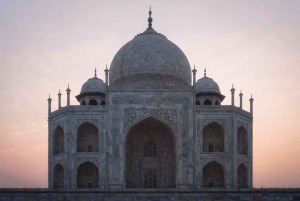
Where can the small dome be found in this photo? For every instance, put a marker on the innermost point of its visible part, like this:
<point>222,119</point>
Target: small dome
<point>93,85</point>
<point>207,85</point>
<point>150,53</point>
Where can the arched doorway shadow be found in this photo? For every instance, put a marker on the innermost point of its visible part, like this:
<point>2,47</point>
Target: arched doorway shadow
<point>150,155</point>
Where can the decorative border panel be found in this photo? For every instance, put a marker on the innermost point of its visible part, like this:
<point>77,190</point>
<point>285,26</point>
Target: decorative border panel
<point>208,121</point>
<point>131,116</point>
<point>205,161</point>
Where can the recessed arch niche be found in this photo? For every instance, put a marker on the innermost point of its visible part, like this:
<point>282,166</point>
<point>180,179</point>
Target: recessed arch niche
<point>242,176</point>
<point>58,141</point>
<point>213,175</point>
<point>87,175</point>
<point>213,138</point>
<point>150,155</point>
<point>87,138</point>
<point>242,144</point>
<point>58,176</point>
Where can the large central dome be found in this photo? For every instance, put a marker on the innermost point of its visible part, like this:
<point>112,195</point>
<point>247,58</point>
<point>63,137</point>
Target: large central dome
<point>150,56</point>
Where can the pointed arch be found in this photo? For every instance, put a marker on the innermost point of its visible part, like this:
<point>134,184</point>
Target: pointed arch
<point>242,173</point>
<point>58,141</point>
<point>87,175</point>
<point>207,102</point>
<point>103,102</point>
<point>242,142</point>
<point>213,175</point>
<point>197,102</point>
<point>93,102</point>
<point>213,138</point>
<point>58,176</point>
<point>158,118</point>
<point>87,138</point>
<point>217,102</point>
<point>83,103</point>
<point>150,147</point>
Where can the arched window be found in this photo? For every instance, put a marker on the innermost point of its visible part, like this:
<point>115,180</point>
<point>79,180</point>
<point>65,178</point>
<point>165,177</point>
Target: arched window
<point>242,144</point>
<point>150,180</point>
<point>150,149</point>
<point>213,175</point>
<point>87,138</point>
<point>213,138</point>
<point>58,141</point>
<point>207,102</point>
<point>83,103</point>
<point>102,102</point>
<point>93,102</point>
<point>242,176</point>
<point>197,102</point>
<point>217,102</point>
<point>58,176</point>
<point>87,175</point>
<point>150,145</point>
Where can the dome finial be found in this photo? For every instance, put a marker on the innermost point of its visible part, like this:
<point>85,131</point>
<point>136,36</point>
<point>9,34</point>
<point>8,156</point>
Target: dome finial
<point>150,18</point>
<point>95,72</point>
<point>205,71</point>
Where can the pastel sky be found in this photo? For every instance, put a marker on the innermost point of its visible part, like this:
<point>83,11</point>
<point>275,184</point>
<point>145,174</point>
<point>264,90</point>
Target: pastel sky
<point>46,45</point>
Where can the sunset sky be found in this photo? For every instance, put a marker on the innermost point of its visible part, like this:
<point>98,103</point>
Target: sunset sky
<point>46,45</point>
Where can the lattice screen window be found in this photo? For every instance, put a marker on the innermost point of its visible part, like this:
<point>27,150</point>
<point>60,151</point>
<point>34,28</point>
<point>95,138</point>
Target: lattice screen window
<point>150,149</point>
<point>210,148</point>
<point>150,180</point>
<point>90,148</point>
<point>90,184</point>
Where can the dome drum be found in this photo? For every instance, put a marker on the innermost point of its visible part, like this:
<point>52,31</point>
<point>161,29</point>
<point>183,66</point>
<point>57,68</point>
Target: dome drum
<point>91,99</point>
<point>209,99</point>
<point>150,79</point>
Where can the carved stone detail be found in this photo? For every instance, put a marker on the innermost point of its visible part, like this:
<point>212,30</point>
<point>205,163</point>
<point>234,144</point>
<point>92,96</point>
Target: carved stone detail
<point>81,160</point>
<point>205,161</point>
<point>132,116</point>
<point>207,121</point>
<point>60,161</point>
<point>242,159</point>
<point>149,80</point>
<point>147,87</point>
<point>240,123</point>
<point>239,162</point>
<point>59,123</point>
<point>81,121</point>
<point>222,107</point>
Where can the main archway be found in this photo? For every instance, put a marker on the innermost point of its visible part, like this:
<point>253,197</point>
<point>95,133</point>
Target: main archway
<point>150,155</point>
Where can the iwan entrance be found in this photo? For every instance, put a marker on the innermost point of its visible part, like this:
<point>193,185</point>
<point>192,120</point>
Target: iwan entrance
<point>150,155</point>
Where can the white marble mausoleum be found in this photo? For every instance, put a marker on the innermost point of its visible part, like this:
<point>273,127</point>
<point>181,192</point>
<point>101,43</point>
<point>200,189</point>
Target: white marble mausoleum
<point>151,124</point>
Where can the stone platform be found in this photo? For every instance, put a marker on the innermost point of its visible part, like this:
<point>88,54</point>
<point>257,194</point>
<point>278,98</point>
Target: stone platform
<point>282,194</point>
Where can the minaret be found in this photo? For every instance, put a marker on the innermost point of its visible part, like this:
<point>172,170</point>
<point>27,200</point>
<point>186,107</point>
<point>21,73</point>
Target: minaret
<point>241,100</point>
<point>59,99</point>
<point>68,95</point>
<point>194,75</point>
<point>49,105</point>
<point>106,75</point>
<point>251,105</point>
<point>232,95</point>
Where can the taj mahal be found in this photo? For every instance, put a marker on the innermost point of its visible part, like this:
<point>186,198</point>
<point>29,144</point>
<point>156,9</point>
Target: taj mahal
<point>150,125</point>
